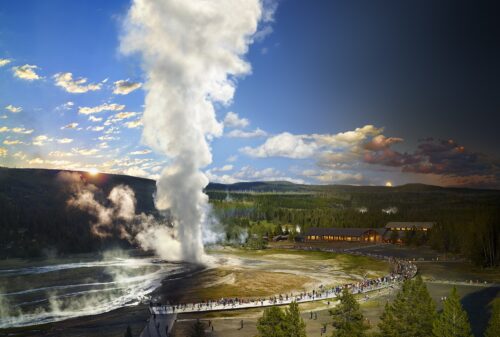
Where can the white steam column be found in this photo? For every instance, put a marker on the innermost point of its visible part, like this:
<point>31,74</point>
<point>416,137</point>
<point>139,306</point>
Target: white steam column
<point>191,51</point>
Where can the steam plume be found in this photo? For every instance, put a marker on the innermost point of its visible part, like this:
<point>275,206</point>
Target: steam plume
<point>191,51</point>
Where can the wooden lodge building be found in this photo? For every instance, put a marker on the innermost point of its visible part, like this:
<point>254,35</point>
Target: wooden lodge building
<point>409,226</point>
<point>345,234</point>
<point>384,234</point>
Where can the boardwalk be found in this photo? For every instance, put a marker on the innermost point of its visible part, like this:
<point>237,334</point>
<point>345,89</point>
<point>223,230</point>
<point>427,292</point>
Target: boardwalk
<point>215,306</point>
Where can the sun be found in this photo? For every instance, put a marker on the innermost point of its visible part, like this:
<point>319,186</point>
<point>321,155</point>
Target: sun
<point>388,184</point>
<point>93,171</point>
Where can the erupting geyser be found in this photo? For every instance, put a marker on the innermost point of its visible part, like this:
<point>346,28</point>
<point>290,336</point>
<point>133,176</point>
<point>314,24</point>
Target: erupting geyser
<point>191,53</point>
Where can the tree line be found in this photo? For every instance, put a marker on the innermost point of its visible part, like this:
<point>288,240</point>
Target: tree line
<point>465,225</point>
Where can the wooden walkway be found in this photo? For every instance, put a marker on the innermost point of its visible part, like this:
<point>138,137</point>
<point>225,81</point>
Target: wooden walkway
<point>326,295</point>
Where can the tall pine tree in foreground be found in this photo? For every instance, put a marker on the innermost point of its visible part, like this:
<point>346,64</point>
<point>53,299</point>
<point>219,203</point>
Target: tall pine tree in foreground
<point>411,314</point>
<point>272,323</point>
<point>453,320</point>
<point>347,317</point>
<point>493,329</point>
<point>198,329</point>
<point>295,326</point>
<point>275,323</point>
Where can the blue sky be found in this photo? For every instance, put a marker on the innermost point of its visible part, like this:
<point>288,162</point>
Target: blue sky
<point>340,92</point>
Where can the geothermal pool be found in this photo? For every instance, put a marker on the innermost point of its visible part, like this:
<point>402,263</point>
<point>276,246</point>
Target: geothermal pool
<point>56,289</point>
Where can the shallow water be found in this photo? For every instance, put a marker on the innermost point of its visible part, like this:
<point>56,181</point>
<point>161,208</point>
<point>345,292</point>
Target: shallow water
<point>55,290</point>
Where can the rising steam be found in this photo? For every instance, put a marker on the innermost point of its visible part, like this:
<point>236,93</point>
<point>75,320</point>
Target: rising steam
<point>191,52</point>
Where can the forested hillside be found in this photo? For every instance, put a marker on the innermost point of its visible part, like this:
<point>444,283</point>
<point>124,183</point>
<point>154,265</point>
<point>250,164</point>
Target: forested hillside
<point>35,217</point>
<point>36,220</point>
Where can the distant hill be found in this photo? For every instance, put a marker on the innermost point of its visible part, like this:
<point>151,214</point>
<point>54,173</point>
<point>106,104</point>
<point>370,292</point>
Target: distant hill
<point>286,186</point>
<point>35,218</point>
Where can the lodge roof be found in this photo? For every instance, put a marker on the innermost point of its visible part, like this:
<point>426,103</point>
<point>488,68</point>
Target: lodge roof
<point>318,231</point>
<point>399,224</point>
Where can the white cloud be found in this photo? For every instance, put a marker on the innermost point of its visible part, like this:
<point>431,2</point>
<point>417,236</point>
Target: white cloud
<point>125,115</point>
<point>125,87</point>
<point>60,154</point>
<point>21,155</point>
<point>224,168</point>
<point>41,140</point>
<point>97,128</point>
<point>84,152</point>
<point>22,131</point>
<point>26,72</point>
<point>12,142</point>
<point>4,62</point>
<point>119,117</point>
<point>347,138</point>
<point>36,161</point>
<point>141,152</point>
<point>4,117</point>
<point>75,86</point>
<point>333,176</point>
<point>136,172</point>
<point>99,108</point>
<point>247,134</point>
<point>14,109</point>
<point>70,126</point>
<point>4,129</point>
<point>95,119</point>
<point>64,140</point>
<point>283,145</point>
<point>232,120</point>
<point>107,137</point>
<point>222,179</point>
<point>112,130</point>
<point>134,124</point>
<point>3,152</point>
<point>248,173</point>
<point>66,106</point>
<point>337,145</point>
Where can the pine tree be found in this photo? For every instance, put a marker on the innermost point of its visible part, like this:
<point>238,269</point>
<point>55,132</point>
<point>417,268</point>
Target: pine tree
<point>493,329</point>
<point>198,329</point>
<point>453,320</point>
<point>295,326</point>
<point>411,314</point>
<point>347,317</point>
<point>272,323</point>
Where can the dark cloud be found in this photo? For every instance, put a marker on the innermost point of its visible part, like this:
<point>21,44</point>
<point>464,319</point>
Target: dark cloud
<point>389,157</point>
<point>440,157</point>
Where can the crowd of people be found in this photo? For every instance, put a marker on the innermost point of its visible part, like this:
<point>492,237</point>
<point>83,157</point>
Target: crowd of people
<point>401,270</point>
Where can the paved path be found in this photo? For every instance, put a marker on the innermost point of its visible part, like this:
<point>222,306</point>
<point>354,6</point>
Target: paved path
<point>157,325</point>
<point>464,283</point>
<point>364,247</point>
